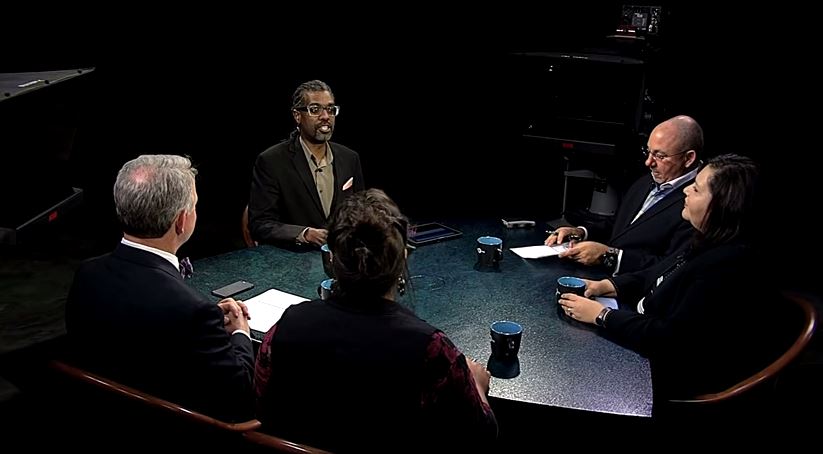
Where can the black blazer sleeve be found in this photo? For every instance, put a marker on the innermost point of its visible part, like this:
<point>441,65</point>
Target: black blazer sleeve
<point>230,366</point>
<point>265,217</point>
<point>631,287</point>
<point>652,333</point>
<point>699,293</point>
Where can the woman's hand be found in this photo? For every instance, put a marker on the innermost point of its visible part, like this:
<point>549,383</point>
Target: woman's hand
<point>580,308</point>
<point>602,287</point>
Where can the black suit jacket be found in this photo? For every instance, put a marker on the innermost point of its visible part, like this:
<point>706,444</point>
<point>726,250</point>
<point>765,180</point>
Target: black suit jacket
<point>658,233</point>
<point>130,316</point>
<point>710,323</point>
<point>283,199</point>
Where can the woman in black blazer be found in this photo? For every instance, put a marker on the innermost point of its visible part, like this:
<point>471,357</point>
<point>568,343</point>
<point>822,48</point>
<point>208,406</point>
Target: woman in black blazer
<point>704,318</point>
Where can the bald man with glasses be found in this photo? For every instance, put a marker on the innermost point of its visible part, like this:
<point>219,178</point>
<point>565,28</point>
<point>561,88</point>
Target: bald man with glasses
<point>648,225</point>
<point>297,183</point>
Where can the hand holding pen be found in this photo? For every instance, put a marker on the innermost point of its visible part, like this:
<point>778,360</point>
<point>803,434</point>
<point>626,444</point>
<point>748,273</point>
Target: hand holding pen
<point>570,234</point>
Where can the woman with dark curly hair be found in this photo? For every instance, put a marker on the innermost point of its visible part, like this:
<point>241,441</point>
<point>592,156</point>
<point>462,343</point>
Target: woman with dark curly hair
<point>358,371</point>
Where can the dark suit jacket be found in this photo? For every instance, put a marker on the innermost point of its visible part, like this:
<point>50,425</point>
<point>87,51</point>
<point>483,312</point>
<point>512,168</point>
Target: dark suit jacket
<point>283,199</point>
<point>658,233</point>
<point>712,322</point>
<point>130,317</point>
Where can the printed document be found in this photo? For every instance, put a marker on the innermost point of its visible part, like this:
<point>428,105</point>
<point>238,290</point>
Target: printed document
<point>266,308</point>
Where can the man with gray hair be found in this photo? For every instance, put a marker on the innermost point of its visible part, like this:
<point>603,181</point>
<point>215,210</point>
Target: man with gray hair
<point>131,317</point>
<point>297,183</point>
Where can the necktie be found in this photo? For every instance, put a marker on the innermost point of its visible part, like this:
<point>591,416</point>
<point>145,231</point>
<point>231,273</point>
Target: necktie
<point>186,270</point>
<point>656,194</point>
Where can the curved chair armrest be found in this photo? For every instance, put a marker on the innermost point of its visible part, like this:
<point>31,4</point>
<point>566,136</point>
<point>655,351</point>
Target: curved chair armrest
<point>131,393</point>
<point>808,326</point>
<point>279,444</point>
<point>244,228</point>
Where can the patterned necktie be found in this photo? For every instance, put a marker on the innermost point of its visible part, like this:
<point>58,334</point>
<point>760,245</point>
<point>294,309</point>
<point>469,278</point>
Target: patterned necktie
<point>655,195</point>
<point>186,270</point>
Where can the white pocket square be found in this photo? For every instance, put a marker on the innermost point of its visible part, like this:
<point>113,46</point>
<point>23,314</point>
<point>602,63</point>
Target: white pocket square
<point>348,183</point>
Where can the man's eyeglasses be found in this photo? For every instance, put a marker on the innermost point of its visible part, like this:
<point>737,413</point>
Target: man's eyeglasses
<point>314,109</point>
<point>658,156</point>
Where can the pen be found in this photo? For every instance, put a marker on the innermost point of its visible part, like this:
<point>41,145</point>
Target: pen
<point>571,236</point>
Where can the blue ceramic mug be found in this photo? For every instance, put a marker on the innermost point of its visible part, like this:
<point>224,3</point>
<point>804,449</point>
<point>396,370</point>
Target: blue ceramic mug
<point>489,251</point>
<point>569,284</point>
<point>325,252</point>
<point>324,291</point>
<point>506,336</point>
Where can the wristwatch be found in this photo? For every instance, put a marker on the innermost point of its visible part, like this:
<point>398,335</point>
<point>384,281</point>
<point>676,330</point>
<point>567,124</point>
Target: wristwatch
<point>609,258</point>
<point>600,320</point>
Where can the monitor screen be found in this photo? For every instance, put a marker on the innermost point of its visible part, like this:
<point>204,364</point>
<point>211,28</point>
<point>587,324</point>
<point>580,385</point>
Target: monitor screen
<point>639,20</point>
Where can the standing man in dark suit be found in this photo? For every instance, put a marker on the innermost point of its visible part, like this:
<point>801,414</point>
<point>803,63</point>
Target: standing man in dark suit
<point>648,226</point>
<point>297,183</point>
<point>131,317</point>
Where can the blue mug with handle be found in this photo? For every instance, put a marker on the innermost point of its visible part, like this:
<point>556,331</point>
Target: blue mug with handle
<point>506,336</point>
<point>324,291</point>
<point>569,284</point>
<point>325,252</point>
<point>489,252</point>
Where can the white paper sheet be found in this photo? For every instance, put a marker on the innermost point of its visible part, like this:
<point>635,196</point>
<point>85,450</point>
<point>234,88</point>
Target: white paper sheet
<point>536,252</point>
<point>608,302</point>
<point>266,308</point>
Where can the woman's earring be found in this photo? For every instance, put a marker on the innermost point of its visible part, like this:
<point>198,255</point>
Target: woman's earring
<point>401,285</point>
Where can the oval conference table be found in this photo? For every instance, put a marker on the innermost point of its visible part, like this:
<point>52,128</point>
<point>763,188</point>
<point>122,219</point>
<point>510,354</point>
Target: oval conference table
<point>562,363</point>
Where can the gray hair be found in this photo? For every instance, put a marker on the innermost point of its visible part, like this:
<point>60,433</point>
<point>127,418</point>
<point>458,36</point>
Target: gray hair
<point>298,99</point>
<point>150,192</point>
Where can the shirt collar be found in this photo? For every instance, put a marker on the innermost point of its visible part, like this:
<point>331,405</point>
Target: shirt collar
<point>677,182</point>
<point>166,255</point>
<point>310,158</point>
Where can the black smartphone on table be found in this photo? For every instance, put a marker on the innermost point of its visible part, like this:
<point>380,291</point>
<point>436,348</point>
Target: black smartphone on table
<point>232,289</point>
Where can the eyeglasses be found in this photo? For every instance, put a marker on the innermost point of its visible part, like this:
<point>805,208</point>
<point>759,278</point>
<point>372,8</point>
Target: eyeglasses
<point>658,156</point>
<point>314,109</point>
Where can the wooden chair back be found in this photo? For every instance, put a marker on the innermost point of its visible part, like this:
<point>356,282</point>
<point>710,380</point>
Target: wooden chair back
<point>807,328</point>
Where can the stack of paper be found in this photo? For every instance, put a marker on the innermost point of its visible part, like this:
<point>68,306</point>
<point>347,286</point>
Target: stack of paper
<point>266,308</point>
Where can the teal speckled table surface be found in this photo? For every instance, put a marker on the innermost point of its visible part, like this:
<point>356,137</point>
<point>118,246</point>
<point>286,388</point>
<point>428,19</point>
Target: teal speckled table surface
<point>561,363</point>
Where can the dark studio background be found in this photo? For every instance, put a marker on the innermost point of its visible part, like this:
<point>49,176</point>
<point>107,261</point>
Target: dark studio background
<point>431,99</point>
<point>434,104</point>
